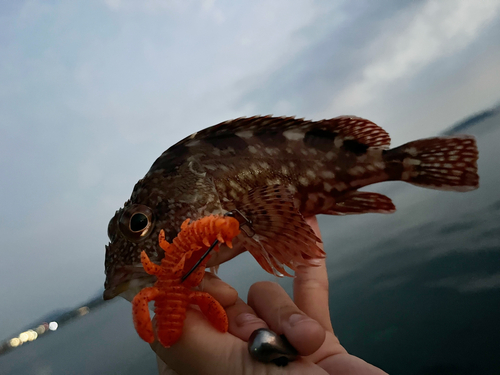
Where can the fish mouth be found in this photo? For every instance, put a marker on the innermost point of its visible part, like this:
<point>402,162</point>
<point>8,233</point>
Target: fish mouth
<point>126,281</point>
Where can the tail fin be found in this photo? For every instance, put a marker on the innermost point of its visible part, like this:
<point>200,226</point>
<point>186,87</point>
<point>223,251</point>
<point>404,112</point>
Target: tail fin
<point>444,163</point>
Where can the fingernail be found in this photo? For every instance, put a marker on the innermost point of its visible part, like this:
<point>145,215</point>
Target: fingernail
<point>296,319</point>
<point>246,318</point>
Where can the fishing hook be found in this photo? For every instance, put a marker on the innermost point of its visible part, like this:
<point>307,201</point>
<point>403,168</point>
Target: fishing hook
<point>245,225</point>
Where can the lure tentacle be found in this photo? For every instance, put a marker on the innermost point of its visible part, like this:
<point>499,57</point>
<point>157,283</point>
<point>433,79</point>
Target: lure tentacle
<point>140,313</point>
<point>150,267</point>
<point>211,308</point>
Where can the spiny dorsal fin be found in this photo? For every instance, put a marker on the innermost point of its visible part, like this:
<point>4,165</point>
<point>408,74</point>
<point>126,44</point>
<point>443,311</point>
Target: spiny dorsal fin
<point>350,127</point>
<point>235,137</point>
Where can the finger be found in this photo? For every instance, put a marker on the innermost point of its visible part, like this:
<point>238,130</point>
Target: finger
<point>201,348</point>
<point>273,304</point>
<point>222,292</point>
<point>203,351</point>
<point>310,287</point>
<point>243,320</point>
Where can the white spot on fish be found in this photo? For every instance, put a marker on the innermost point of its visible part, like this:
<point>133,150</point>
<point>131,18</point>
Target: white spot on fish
<point>338,142</point>
<point>330,155</point>
<point>311,174</point>
<point>356,171</point>
<point>292,189</point>
<point>412,151</point>
<point>340,186</point>
<point>234,185</point>
<point>293,135</point>
<point>272,151</point>
<point>273,181</point>
<point>210,167</point>
<point>244,134</point>
<point>303,181</point>
<point>252,149</point>
<point>327,174</point>
<point>408,162</point>
<point>328,188</point>
<point>193,143</point>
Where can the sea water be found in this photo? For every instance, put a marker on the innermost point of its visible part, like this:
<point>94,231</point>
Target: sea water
<point>415,292</point>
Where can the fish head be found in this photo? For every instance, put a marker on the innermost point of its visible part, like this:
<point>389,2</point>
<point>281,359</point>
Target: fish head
<point>158,201</point>
<point>132,229</point>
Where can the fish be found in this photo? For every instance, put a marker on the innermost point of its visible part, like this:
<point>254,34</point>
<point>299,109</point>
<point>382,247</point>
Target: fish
<point>274,172</point>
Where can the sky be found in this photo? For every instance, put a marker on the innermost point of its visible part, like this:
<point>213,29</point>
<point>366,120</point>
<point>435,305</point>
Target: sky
<point>93,91</point>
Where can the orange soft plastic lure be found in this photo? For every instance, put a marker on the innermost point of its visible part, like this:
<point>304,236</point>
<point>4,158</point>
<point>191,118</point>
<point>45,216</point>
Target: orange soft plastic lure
<point>171,295</point>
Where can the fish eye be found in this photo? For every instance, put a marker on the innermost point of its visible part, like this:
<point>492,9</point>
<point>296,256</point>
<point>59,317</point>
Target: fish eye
<point>136,222</point>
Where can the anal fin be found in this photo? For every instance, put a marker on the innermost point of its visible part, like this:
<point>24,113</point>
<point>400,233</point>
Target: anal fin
<point>361,202</point>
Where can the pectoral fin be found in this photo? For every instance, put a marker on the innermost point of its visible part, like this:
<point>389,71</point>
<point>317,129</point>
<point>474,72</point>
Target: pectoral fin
<point>281,235</point>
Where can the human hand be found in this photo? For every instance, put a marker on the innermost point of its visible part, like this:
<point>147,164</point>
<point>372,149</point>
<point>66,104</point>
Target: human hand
<point>305,322</point>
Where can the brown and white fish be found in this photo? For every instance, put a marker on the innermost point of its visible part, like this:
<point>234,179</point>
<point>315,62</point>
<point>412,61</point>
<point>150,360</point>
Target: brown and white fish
<point>275,171</point>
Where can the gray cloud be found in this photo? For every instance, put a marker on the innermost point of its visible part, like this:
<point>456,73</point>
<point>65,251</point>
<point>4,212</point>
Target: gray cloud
<point>395,63</point>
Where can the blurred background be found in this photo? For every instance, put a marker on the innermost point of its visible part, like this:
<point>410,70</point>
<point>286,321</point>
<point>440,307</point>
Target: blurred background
<point>92,92</point>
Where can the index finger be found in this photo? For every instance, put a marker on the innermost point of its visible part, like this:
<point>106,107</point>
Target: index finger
<point>310,287</point>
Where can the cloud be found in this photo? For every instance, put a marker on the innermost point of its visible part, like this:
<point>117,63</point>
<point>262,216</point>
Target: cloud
<point>419,37</point>
<point>148,5</point>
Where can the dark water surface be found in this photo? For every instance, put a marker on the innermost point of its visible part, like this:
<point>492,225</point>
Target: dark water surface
<point>416,292</point>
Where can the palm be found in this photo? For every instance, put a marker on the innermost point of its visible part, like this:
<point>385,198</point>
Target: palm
<point>304,321</point>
